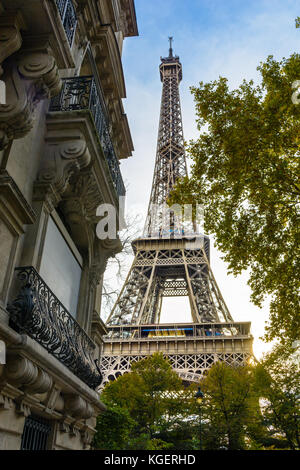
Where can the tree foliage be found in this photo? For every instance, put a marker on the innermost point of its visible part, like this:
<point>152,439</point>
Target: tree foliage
<point>152,394</point>
<point>277,380</point>
<point>230,408</point>
<point>114,419</point>
<point>246,174</point>
<point>249,407</point>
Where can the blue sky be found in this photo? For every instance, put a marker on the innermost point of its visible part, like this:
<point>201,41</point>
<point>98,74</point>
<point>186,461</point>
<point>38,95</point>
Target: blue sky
<point>212,38</point>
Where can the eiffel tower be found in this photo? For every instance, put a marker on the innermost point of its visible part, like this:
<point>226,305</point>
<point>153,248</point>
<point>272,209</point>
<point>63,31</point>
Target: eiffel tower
<point>171,259</point>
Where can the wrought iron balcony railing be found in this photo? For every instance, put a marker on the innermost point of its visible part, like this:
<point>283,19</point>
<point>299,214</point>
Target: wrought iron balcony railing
<point>82,93</point>
<point>68,17</point>
<point>37,312</point>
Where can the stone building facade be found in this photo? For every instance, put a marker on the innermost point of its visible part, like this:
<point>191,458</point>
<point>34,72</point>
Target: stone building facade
<point>63,131</point>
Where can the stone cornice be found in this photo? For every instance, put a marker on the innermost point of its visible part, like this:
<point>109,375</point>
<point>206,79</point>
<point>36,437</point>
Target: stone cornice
<point>126,22</point>
<point>131,28</point>
<point>98,326</point>
<point>126,143</point>
<point>107,48</point>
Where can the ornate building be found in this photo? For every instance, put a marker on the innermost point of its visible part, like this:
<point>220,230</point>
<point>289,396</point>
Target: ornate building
<point>63,131</point>
<point>171,260</point>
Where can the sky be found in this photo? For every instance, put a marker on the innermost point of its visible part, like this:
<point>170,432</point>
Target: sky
<point>213,38</point>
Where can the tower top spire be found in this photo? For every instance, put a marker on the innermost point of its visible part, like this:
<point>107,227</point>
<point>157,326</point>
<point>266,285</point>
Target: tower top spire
<point>170,64</point>
<point>170,48</point>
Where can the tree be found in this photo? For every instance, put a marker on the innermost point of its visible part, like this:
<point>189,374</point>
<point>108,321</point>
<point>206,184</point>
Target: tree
<point>278,383</point>
<point>246,174</point>
<point>152,395</point>
<point>113,429</point>
<point>244,407</point>
<point>230,407</point>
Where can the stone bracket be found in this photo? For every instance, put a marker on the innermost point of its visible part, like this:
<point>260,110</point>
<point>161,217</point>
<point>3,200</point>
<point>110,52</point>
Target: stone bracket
<point>103,250</point>
<point>66,153</point>
<point>31,76</point>
<point>77,407</point>
<point>10,36</point>
<point>5,402</point>
<point>22,409</point>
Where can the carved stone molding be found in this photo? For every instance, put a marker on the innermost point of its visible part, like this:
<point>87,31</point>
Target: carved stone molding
<point>47,194</point>
<point>98,329</point>
<point>30,77</point>
<point>73,430</point>
<point>64,426</point>
<point>20,370</point>
<point>69,428</point>
<point>79,205</point>
<point>66,153</point>
<point>87,436</point>
<point>24,373</point>
<point>40,65</point>
<point>86,187</point>
<point>103,250</point>
<point>22,409</point>
<point>77,407</point>
<point>5,402</point>
<point>42,384</point>
<point>10,37</point>
<point>54,400</point>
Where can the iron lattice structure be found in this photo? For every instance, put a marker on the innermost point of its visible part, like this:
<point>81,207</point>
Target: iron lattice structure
<point>170,161</point>
<point>171,262</point>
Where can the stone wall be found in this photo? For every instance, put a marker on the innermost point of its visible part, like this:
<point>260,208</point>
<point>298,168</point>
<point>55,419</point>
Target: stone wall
<point>54,167</point>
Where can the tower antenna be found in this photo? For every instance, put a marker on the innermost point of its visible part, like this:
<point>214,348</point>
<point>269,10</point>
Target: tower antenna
<point>170,49</point>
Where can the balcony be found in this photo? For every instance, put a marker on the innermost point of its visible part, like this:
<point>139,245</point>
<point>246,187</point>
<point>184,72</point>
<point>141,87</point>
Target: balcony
<point>37,312</point>
<point>68,17</point>
<point>83,93</point>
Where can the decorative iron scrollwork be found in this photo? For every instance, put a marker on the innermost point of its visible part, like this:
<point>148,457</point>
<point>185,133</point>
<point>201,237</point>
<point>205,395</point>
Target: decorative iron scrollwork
<point>37,312</point>
<point>68,17</point>
<point>79,93</point>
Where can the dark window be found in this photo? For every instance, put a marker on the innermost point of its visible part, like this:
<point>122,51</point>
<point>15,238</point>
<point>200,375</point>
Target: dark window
<point>35,434</point>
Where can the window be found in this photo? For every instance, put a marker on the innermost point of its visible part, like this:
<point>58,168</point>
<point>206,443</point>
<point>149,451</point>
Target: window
<point>35,433</point>
<point>61,264</point>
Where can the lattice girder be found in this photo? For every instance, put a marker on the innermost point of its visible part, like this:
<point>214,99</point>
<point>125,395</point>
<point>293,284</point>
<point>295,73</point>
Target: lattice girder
<point>171,259</point>
<point>170,161</point>
<point>147,283</point>
<point>189,367</point>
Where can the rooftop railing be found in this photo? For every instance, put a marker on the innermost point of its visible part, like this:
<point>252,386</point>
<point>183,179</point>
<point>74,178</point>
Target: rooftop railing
<point>179,330</point>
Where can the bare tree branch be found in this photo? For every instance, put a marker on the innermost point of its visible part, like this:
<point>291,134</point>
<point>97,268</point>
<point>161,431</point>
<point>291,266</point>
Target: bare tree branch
<point>117,266</point>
